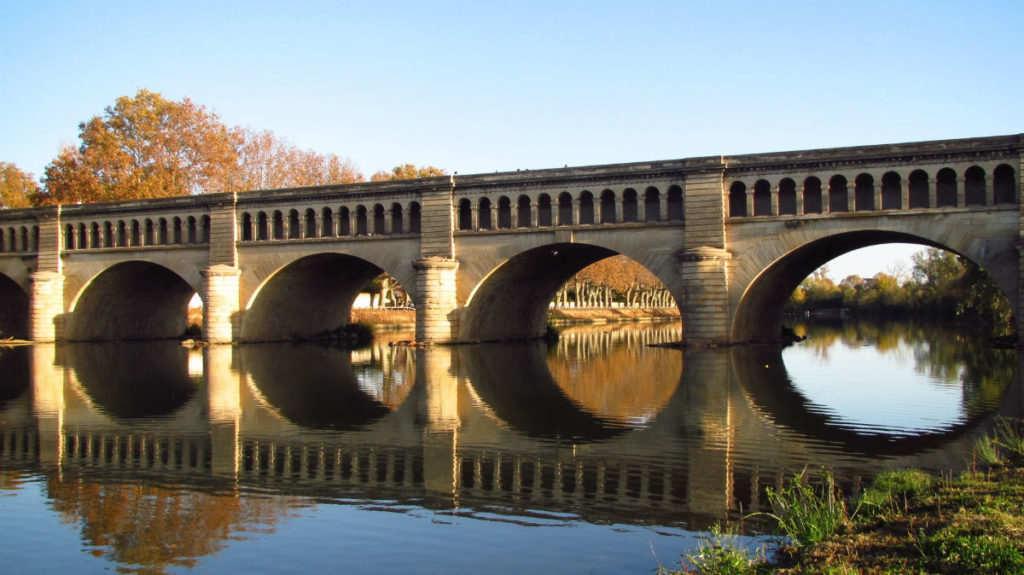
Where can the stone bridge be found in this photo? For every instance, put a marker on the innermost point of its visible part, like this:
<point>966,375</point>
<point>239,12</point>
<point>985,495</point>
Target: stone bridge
<point>482,255</point>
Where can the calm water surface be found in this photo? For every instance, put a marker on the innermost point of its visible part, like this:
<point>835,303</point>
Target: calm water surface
<point>581,457</point>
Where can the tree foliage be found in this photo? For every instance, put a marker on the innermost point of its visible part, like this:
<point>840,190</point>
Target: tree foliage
<point>941,284</point>
<point>266,162</point>
<point>407,172</point>
<point>17,188</point>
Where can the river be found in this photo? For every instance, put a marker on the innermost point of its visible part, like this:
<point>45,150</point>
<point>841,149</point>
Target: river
<point>598,454</point>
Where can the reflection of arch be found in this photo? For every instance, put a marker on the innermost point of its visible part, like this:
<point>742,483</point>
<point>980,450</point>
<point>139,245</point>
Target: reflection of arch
<point>14,306</point>
<point>306,297</point>
<point>527,398</point>
<point>14,374</point>
<point>131,300</point>
<point>132,380</point>
<point>762,375</point>
<point>311,386</point>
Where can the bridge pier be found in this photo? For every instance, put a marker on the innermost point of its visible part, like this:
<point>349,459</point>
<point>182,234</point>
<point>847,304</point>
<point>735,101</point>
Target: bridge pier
<point>220,303</point>
<point>705,295</point>
<point>46,306</point>
<point>437,306</point>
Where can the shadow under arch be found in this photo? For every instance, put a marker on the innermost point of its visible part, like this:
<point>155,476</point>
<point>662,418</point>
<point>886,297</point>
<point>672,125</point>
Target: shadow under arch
<point>516,384</point>
<point>14,306</point>
<point>134,300</point>
<point>311,386</point>
<point>133,379</point>
<point>759,314</point>
<point>311,295</point>
<point>760,372</point>
<point>511,302</point>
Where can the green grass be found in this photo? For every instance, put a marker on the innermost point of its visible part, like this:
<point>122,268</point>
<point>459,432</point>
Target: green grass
<point>718,553</point>
<point>809,510</point>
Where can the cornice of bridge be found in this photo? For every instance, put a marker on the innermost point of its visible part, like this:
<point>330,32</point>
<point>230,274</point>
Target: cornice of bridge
<point>929,152</point>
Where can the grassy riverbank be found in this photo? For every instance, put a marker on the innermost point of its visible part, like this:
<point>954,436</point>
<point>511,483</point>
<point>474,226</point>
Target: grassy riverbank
<point>904,522</point>
<point>396,317</point>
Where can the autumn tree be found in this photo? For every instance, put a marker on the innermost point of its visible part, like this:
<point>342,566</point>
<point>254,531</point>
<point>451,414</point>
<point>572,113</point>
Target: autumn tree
<point>407,172</point>
<point>144,146</point>
<point>266,162</point>
<point>17,188</point>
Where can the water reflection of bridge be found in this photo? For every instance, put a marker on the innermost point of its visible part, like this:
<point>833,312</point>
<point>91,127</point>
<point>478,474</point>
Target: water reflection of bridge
<point>468,430</point>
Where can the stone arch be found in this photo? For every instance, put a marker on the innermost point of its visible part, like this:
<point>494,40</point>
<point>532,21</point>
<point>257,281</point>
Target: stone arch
<point>918,184</point>
<point>787,197</point>
<point>737,199</point>
<point>263,227</point>
<point>14,309</point>
<point>1004,185</point>
<point>465,215</point>
<point>630,205</point>
<point>544,219</point>
<point>892,191</point>
<point>344,222</point>
<point>974,186</point>
<point>293,229</point>
<point>758,312</point>
<point>675,204</point>
<point>327,223</point>
<point>523,209</point>
<point>176,240</point>
<point>362,221</point>
<point>310,231</point>
<point>414,218</point>
<point>838,195</point>
<point>586,207</point>
<point>511,301</point>
<point>504,212</point>
<point>484,214</point>
<point>652,205</point>
<point>133,300</point>
<point>565,209</point>
<point>945,188</point>
<point>246,227</point>
<point>83,236</point>
<point>305,297</point>
<point>379,220</point>
<point>812,196</point>
<point>608,215</point>
<point>864,192</point>
<point>69,237</point>
<point>397,222</point>
<point>762,198</point>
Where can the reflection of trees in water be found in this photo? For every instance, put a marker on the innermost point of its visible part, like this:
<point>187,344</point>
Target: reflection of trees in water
<point>384,370</point>
<point>151,527</point>
<point>612,371</point>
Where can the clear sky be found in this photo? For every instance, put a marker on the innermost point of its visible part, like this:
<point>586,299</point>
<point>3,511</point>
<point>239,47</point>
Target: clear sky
<point>485,86</point>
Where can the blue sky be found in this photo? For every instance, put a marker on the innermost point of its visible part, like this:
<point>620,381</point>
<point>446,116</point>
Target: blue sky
<point>485,86</point>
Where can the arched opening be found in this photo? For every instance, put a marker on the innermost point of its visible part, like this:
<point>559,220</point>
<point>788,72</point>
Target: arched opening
<point>974,186</point>
<point>379,220</point>
<point>652,205</point>
<point>608,215</point>
<point>484,214</point>
<point>838,197</point>
<point>136,234</point>
<point>504,212</point>
<point>465,214</point>
<point>630,205</point>
<point>787,197</point>
<point>327,223</point>
<point>812,196</point>
<point>514,300</point>
<point>94,241</point>
<point>892,191</point>
<point>586,208</point>
<point>147,238</point>
<point>397,219</point>
<point>278,225</point>
<point>177,231</point>
<point>759,314</point>
<point>864,193</point>
<point>310,231</point>
<point>161,235</point>
<point>737,200</point>
<point>1004,185</point>
<point>544,211</point>
<point>294,231</point>
<point>344,222</point>
<point>14,308</point>
<point>362,221</point>
<point>945,188</point>
<point>307,299</point>
<point>414,218</point>
<point>523,212</point>
<point>122,234</point>
<point>675,204</point>
<point>69,237</point>
<point>205,222</point>
<point>762,198</point>
<point>132,300</point>
<point>83,237</point>
<point>263,228</point>
<point>918,184</point>
<point>565,209</point>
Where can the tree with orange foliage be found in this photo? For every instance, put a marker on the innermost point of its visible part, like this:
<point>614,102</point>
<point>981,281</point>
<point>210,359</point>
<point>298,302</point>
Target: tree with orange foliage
<point>407,172</point>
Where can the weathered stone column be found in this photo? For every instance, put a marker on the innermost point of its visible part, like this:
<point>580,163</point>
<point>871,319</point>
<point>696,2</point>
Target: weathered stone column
<point>437,302</point>
<point>46,307</point>
<point>220,280</point>
<point>704,261</point>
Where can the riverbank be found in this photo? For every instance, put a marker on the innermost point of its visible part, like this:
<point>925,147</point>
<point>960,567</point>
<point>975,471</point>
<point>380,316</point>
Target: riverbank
<point>906,521</point>
<point>385,318</point>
